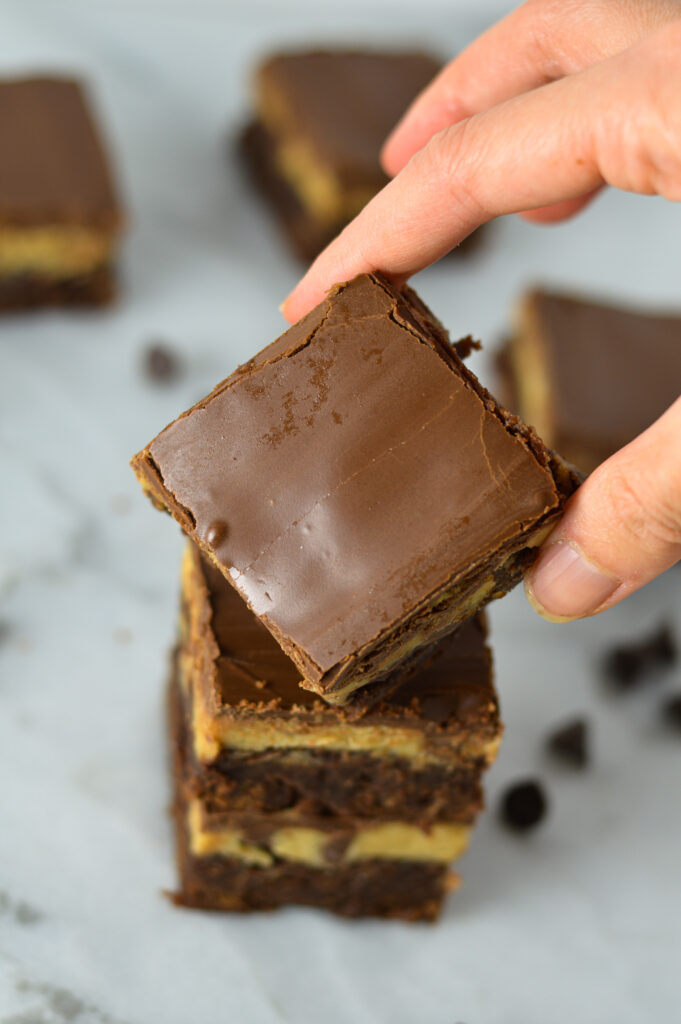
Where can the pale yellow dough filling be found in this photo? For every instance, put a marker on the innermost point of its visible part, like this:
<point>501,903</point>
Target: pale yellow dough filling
<point>531,372</point>
<point>314,182</point>
<point>55,250</point>
<point>392,840</point>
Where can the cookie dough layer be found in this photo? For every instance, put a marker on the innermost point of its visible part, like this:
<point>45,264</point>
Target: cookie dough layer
<point>326,843</point>
<point>407,890</point>
<point>54,251</point>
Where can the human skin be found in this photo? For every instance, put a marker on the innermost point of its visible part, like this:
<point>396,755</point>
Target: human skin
<point>584,94</point>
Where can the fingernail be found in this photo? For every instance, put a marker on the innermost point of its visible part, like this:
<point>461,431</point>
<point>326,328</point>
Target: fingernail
<point>563,584</point>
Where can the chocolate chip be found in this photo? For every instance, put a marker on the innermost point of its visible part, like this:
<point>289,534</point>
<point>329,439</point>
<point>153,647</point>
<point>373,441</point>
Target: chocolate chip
<point>671,711</point>
<point>523,805</point>
<point>627,665</point>
<point>216,533</point>
<point>570,743</point>
<point>161,365</point>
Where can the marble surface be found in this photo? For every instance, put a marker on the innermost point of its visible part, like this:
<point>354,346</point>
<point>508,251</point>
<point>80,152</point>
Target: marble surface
<point>577,922</point>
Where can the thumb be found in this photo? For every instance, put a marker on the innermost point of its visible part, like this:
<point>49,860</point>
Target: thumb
<point>620,530</point>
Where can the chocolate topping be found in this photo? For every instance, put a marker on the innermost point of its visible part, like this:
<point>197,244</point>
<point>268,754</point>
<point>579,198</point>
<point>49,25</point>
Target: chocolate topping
<point>53,169</point>
<point>455,686</point>
<point>363,472</point>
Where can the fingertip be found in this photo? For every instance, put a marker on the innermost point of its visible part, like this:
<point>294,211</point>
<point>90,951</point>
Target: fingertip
<point>392,160</point>
<point>291,305</point>
<point>539,608</point>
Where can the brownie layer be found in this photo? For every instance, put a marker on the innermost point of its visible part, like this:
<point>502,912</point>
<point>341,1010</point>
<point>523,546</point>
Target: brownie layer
<point>358,487</point>
<point>372,888</point>
<point>30,291</point>
<point>319,783</point>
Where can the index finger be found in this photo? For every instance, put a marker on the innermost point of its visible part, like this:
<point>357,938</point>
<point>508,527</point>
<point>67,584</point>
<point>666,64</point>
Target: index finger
<point>539,42</point>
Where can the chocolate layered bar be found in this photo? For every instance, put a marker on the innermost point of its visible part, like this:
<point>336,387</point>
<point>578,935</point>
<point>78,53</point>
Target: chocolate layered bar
<point>313,149</point>
<point>589,376</point>
<point>281,798</point>
<point>358,487</point>
<point>59,214</point>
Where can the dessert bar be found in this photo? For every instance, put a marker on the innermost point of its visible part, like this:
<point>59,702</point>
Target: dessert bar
<point>280,798</point>
<point>358,487</point>
<point>321,118</point>
<point>589,376</point>
<point>59,214</point>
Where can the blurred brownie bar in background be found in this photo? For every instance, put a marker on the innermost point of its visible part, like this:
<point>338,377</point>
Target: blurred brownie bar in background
<point>321,118</point>
<point>60,217</point>
<point>358,487</point>
<point>589,377</point>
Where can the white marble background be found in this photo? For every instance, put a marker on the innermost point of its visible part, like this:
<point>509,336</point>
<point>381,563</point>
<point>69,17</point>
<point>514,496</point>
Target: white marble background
<point>576,922</point>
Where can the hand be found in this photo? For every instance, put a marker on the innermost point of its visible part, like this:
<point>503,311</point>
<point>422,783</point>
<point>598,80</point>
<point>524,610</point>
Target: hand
<point>584,93</point>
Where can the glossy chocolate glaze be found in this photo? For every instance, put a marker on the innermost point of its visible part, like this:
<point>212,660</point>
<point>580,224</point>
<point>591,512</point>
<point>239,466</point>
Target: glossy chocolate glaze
<point>53,168</point>
<point>252,668</point>
<point>361,472</point>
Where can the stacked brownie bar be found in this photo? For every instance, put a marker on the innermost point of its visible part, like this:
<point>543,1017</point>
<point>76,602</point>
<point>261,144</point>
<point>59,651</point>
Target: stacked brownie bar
<point>353,497</point>
<point>281,798</point>
<point>60,218</point>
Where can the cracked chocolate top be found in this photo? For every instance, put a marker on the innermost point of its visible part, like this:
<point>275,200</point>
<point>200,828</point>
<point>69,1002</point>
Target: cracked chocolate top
<point>355,466</point>
<point>53,168</point>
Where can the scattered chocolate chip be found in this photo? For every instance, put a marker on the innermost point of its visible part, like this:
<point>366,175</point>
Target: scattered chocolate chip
<point>570,743</point>
<point>671,711</point>
<point>161,365</point>
<point>627,665</point>
<point>216,532</point>
<point>523,805</point>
